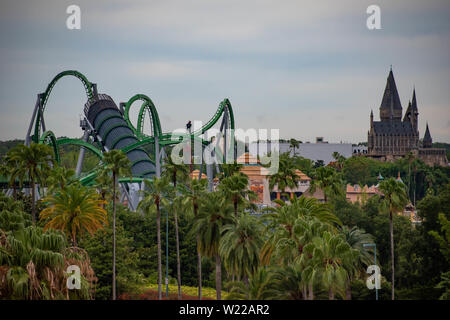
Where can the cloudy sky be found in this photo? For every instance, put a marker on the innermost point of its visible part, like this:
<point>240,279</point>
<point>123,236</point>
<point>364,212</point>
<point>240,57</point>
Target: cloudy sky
<point>309,68</point>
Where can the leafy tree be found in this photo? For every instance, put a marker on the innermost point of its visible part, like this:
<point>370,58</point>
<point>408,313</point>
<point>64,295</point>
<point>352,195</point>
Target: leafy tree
<point>294,144</point>
<point>356,170</point>
<point>444,243</point>
<point>100,245</point>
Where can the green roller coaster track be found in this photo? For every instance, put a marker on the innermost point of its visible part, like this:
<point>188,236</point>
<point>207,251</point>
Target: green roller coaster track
<point>164,139</point>
<point>44,96</point>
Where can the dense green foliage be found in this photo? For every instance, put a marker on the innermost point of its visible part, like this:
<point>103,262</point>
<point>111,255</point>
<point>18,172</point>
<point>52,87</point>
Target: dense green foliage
<point>301,248</point>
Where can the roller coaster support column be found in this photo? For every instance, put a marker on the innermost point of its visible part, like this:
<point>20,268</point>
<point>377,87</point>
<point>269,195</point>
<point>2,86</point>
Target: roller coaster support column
<point>209,169</point>
<point>84,126</point>
<point>225,127</point>
<point>157,158</point>
<point>36,108</point>
<point>201,164</point>
<point>41,113</point>
<point>94,90</point>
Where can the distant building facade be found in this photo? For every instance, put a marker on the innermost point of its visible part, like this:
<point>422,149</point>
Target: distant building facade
<point>356,193</point>
<point>392,138</point>
<point>258,179</point>
<point>313,151</point>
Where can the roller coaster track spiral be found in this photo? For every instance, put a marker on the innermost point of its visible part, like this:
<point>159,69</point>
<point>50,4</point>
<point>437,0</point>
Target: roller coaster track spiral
<point>116,123</point>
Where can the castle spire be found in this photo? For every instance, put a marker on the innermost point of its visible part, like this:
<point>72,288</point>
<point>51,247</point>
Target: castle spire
<point>414,101</point>
<point>390,108</point>
<point>371,118</point>
<point>427,140</point>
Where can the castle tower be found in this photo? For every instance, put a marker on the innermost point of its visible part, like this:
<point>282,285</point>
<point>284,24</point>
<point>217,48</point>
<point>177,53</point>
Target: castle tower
<point>427,140</point>
<point>371,119</point>
<point>390,108</point>
<point>415,112</point>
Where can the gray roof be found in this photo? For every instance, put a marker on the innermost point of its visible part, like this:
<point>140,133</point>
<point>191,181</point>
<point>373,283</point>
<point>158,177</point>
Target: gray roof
<point>393,127</point>
<point>408,112</point>
<point>390,94</point>
<point>427,136</point>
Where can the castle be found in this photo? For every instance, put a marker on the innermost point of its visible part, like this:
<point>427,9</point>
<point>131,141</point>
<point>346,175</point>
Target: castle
<point>392,138</point>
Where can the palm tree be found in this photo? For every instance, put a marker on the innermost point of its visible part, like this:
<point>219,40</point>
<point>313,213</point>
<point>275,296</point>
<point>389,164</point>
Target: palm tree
<point>33,261</point>
<point>326,179</point>
<point>102,183</point>
<point>58,179</point>
<point>356,238</point>
<point>193,195</point>
<point>294,144</point>
<point>260,287</point>
<point>156,195</point>
<point>176,172</point>
<point>240,246</point>
<point>289,282</point>
<point>286,176</point>
<point>235,188</point>
<point>409,158</point>
<point>178,206</point>
<point>74,210</point>
<point>9,171</point>
<point>286,224</point>
<point>117,163</point>
<point>229,169</point>
<point>334,258</point>
<point>208,225</point>
<point>340,159</point>
<point>30,163</point>
<point>395,199</point>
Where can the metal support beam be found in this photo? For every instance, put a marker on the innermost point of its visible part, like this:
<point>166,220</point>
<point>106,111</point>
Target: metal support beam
<point>157,158</point>
<point>201,164</point>
<point>94,90</point>
<point>33,117</point>
<point>82,152</point>
<point>225,147</point>
<point>209,169</point>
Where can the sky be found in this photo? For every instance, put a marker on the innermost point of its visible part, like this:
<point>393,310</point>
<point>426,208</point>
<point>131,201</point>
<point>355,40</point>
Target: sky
<point>307,68</point>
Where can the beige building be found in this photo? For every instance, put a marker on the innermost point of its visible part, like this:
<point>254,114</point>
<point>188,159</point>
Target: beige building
<point>357,194</point>
<point>258,177</point>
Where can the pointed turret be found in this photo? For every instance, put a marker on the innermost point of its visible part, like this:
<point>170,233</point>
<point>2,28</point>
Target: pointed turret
<point>371,119</point>
<point>414,102</point>
<point>427,140</point>
<point>415,111</point>
<point>408,113</point>
<point>390,108</point>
